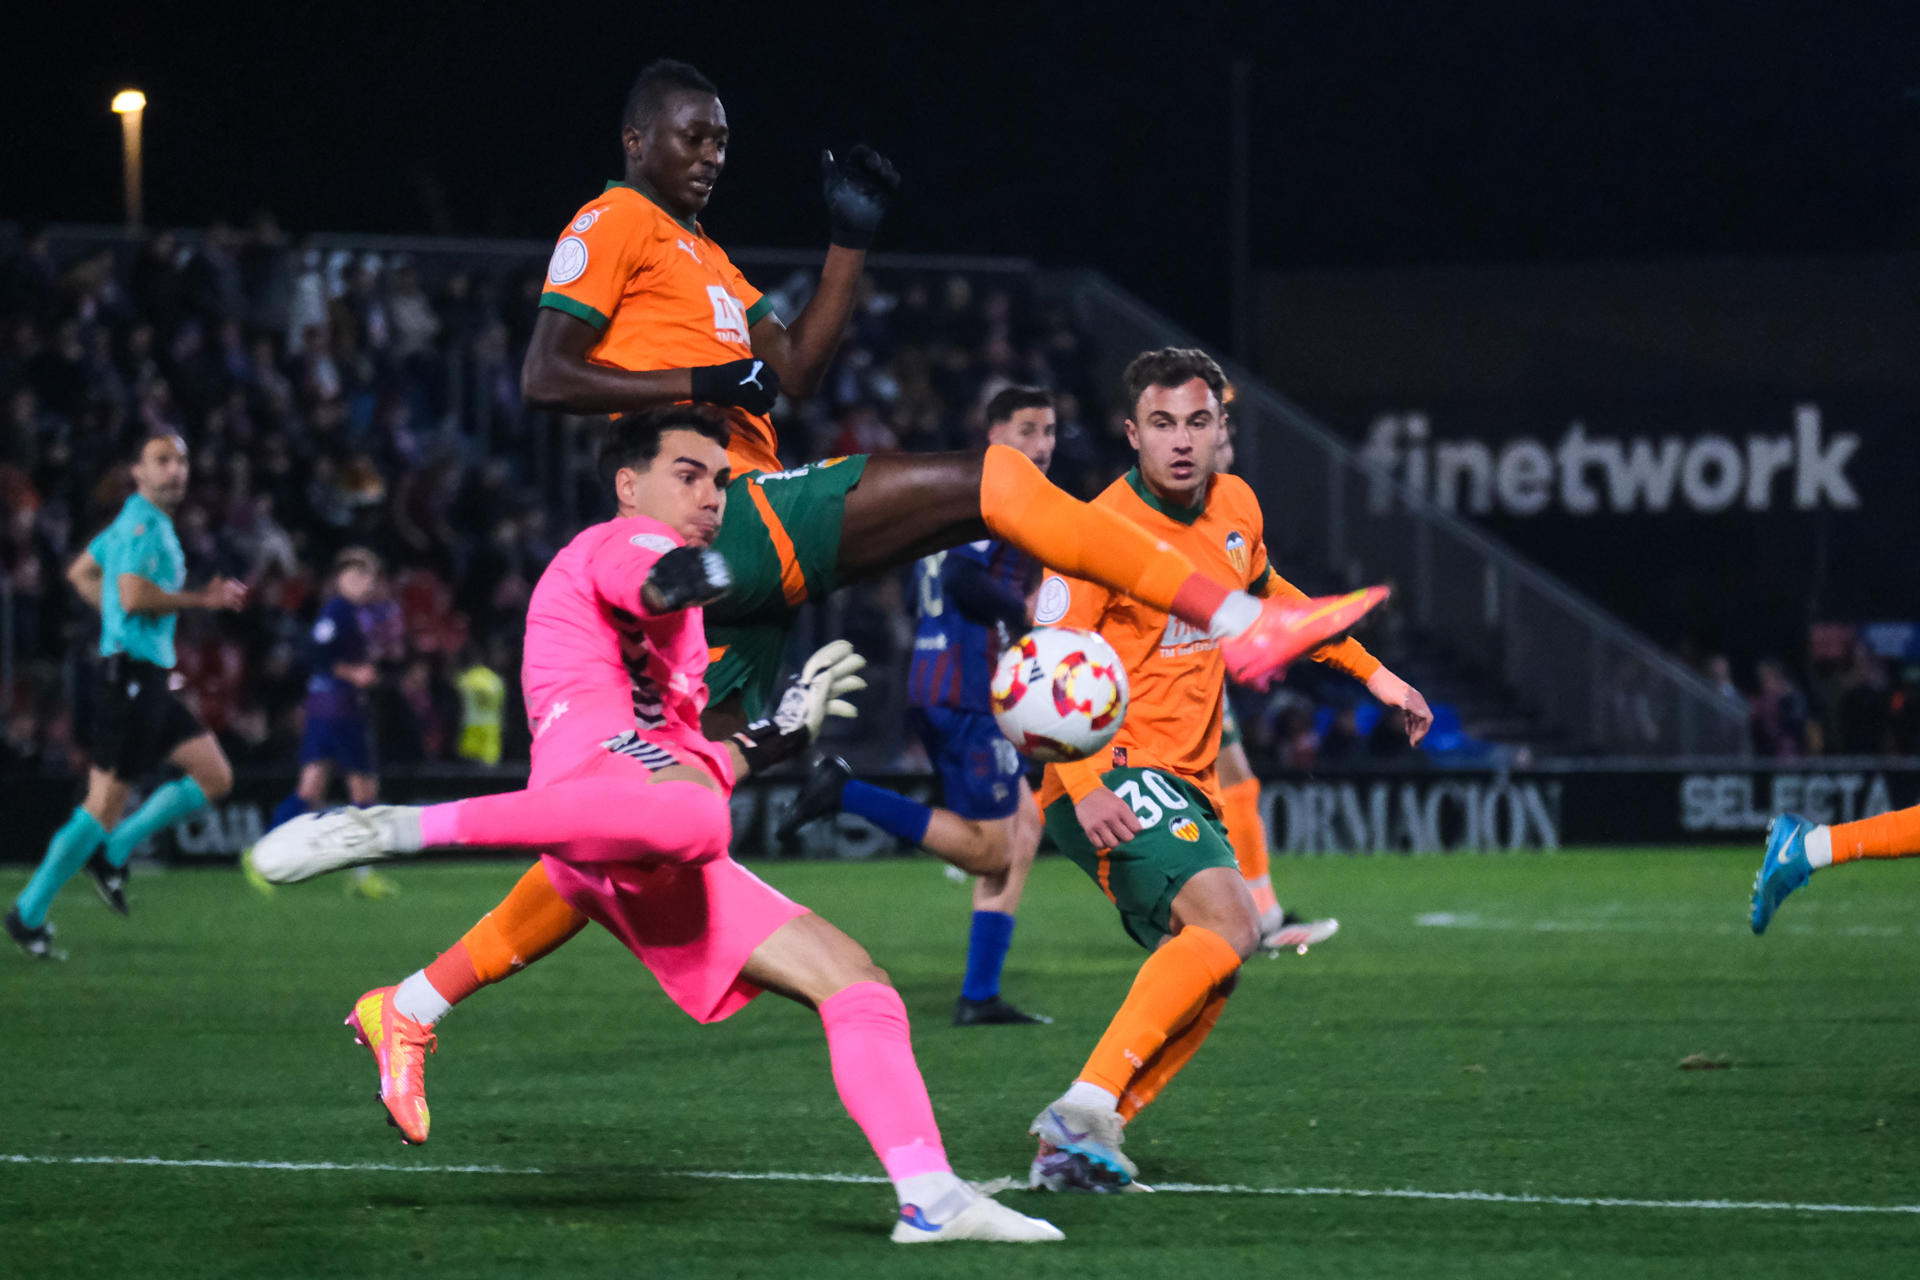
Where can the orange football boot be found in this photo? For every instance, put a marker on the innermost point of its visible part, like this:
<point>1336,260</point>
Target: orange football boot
<point>399,1046</point>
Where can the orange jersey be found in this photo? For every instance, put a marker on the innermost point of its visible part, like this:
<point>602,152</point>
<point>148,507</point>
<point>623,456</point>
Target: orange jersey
<point>1176,676</point>
<point>663,296</point>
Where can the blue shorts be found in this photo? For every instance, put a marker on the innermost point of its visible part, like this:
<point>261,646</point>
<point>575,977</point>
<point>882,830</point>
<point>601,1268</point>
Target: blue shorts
<point>347,741</point>
<point>979,769</point>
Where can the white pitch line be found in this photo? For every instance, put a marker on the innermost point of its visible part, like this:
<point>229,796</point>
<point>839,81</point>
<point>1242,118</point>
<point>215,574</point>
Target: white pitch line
<point>1395,1193</point>
<point>291,1166</point>
<point>1165,1188</point>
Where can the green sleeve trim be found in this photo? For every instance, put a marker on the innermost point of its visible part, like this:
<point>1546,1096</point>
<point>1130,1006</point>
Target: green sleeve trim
<point>1259,585</point>
<point>759,311</point>
<point>575,308</point>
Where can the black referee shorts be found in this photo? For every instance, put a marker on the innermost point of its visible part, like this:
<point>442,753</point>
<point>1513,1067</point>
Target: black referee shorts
<point>137,721</point>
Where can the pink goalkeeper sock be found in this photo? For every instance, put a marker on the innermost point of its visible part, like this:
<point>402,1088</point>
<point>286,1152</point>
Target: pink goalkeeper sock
<point>878,1080</point>
<point>590,820</point>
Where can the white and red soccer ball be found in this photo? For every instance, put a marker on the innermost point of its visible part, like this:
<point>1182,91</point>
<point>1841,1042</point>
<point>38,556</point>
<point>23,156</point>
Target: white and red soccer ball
<point>1059,694</point>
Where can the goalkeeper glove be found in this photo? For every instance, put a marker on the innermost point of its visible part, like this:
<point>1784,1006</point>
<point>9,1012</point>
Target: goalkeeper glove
<point>817,692</point>
<point>683,578</point>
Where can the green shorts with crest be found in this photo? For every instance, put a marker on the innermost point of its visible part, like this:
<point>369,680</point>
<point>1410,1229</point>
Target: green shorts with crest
<point>1180,836</point>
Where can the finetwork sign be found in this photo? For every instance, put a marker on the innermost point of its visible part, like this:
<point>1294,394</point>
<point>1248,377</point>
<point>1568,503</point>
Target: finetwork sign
<point>1583,475</point>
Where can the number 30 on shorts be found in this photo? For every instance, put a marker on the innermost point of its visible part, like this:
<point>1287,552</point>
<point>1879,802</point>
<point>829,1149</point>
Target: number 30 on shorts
<point>1150,808</point>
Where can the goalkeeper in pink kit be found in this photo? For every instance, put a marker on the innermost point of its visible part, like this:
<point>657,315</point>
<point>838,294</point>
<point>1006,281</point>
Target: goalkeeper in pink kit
<point>627,804</point>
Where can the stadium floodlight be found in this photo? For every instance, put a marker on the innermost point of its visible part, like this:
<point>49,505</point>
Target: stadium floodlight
<point>131,106</point>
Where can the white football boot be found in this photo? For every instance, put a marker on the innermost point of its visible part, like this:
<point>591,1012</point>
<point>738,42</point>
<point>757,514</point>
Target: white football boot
<point>965,1214</point>
<point>316,843</point>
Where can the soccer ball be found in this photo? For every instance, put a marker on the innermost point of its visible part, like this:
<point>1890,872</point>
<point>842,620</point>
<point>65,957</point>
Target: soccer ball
<point>1059,694</point>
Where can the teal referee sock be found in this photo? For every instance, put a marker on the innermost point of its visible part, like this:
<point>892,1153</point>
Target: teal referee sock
<point>67,852</point>
<point>181,798</point>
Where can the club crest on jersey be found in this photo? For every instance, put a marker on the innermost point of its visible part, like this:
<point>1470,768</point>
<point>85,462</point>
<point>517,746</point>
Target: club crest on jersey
<point>1050,603</point>
<point>1237,552</point>
<point>569,261</point>
<point>1186,829</point>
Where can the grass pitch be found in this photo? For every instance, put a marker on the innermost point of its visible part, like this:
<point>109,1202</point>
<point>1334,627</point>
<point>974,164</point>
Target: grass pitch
<point>1510,1025</point>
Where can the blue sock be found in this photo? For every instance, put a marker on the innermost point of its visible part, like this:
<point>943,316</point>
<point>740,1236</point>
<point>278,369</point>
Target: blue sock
<point>986,952</point>
<point>67,852</point>
<point>890,811</point>
<point>167,805</point>
<point>287,810</point>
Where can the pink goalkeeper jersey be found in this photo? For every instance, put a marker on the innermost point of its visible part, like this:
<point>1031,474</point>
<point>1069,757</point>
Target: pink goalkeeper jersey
<point>599,671</point>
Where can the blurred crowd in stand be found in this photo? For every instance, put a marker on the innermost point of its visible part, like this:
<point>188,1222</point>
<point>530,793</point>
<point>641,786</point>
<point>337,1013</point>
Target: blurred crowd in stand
<point>335,396</point>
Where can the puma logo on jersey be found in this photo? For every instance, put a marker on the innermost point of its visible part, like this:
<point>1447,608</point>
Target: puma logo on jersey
<point>689,249</point>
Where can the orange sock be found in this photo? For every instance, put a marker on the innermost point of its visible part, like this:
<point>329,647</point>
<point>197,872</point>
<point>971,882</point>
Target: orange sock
<point>530,921</point>
<point>1067,535</point>
<point>1249,836</point>
<point>1172,989</point>
<point>1174,1055</point>
<point>1891,835</point>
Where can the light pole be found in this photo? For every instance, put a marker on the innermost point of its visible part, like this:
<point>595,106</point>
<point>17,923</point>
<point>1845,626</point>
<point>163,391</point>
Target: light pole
<point>130,105</point>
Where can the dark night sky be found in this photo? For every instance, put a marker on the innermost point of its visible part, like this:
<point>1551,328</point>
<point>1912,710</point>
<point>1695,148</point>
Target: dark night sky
<point>1096,134</point>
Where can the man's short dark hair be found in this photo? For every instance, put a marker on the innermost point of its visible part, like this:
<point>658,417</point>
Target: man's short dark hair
<point>1011,400</point>
<point>356,558</point>
<point>657,80</point>
<point>147,437</point>
<point>1171,367</point>
<point>633,439</point>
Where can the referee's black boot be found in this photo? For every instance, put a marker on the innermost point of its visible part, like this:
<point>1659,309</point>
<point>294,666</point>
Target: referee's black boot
<point>819,796</point>
<point>37,943</point>
<point>110,880</point>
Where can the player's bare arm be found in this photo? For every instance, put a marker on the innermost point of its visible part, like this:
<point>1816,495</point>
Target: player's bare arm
<point>144,595</point>
<point>858,188</point>
<point>557,374</point>
<point>1392,691</point>
<point>87,577</point>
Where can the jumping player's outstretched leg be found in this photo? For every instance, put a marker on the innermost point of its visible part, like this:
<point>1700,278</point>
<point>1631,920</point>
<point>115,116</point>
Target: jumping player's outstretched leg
<point>1797,847</point>
<point>908,505</point>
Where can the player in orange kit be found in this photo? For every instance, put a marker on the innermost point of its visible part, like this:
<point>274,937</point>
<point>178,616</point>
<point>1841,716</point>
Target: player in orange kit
<point>1143,816</point>
<point>642,308</point>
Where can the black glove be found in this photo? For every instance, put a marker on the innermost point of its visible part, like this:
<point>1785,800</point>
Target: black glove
<point>685,577</point>
<point>744,384</point>
<point>858,189</point>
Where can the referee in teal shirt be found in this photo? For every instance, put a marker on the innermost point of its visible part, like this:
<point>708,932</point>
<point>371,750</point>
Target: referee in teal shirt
<point>132,573</point>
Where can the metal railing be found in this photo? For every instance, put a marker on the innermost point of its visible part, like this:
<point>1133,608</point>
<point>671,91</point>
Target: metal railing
<point>1342,520</point>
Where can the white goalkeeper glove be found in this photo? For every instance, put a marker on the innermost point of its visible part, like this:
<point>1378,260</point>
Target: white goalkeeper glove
<point>821,690</point>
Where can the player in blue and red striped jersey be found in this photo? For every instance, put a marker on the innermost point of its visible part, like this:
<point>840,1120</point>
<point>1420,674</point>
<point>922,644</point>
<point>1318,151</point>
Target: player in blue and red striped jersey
<point>339,729</point>
<point>973,602</point>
